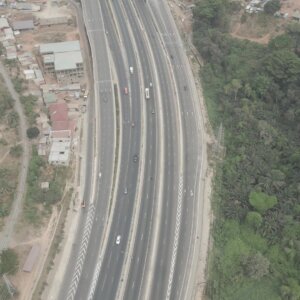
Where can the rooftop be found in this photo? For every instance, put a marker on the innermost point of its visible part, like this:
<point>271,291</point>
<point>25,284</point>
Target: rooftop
<point>23,25</point>
<point>60,47</point>
<point>58,112</point>
<point>67,60</point>
<point>3,23</point>
<point>59,153</point>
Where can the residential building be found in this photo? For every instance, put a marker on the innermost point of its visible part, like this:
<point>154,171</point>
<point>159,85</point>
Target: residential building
<point>60,153</point>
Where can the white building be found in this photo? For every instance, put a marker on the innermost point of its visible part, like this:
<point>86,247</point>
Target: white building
<point>60,153</point>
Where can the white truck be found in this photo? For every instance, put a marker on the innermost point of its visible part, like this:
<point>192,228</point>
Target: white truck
<point>131,70</point>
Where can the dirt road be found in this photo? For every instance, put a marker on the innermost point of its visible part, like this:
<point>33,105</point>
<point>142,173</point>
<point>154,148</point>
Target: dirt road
<point>6,234</point>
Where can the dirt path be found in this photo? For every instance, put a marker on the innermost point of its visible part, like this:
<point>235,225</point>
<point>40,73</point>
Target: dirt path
<point>6,234</point>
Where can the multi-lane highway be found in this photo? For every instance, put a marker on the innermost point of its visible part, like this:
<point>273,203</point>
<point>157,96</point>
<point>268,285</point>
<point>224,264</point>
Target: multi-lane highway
<point>153,203</point>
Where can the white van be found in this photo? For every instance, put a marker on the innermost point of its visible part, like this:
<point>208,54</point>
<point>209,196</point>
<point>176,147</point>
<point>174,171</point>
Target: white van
<point>147,94</point>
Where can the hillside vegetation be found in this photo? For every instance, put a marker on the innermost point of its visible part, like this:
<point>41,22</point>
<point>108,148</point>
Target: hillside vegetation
<point>254,91</point>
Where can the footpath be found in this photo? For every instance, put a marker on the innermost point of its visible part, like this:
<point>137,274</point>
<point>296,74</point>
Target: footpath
<point>6,234</point>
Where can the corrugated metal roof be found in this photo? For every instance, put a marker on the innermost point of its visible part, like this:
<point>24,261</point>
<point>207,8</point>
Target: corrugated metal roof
<point>3,23</point>
<point>59,47</point>
<point>23,25</point>
<point>31,258</point>
<point>67,60</point>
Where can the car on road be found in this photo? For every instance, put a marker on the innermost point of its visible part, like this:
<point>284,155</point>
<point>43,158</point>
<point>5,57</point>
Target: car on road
<point>83,203</point>
<point>132,124</point>
<point>151,84</point>
<point>135,158</point>
<point>147,93</point>
<point>125,191</point>
<point>118,240</point>
<point>126,90</point>
<point>131,70</point>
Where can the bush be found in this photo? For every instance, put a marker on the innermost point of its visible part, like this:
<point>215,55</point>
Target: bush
<point>32,132</point>
<point>254,219</point>
<point>9,262</point>
<point>272,6</point>
<point>16,151</point>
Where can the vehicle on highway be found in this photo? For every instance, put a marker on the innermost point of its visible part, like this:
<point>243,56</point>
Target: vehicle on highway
<point>147,94</point>
<point>131,70</point>
<point>118,240</point>
<point>132,124</point>
<point>153,112</point>
<point>83,203</point>
<point>126,90</point>
<point>135,158</point>
<point>125,191</point>
<point>151,84</point>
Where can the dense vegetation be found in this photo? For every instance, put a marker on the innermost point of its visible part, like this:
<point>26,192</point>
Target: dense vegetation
<point>254,91</point>
<point>38,201</point>
<point>8,262</point>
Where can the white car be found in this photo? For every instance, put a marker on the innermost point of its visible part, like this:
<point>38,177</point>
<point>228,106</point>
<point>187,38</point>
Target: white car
<point>118,240</point>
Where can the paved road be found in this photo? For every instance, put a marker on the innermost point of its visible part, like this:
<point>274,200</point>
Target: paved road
<point>164,245</point>
<point>181,278</point>
<point>102,122</point>
<point>115,255</point>
<point>10,223</point>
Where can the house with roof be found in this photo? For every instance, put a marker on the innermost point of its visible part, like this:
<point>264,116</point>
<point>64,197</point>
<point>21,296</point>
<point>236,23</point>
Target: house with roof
<point>58,113</point>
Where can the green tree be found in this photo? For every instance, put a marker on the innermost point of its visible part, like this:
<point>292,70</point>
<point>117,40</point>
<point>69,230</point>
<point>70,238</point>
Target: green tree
<point>254,219</point>
<point>16,151</point>
<point>9,262</point>
<point>272,6</point>
<point>13,119</point>
<point>256,266</point>
<point>32,132</point>
<point>261,201</point>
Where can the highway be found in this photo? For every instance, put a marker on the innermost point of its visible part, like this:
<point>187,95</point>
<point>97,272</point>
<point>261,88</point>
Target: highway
<point>110,274</point>
<point>160,216</point>
<point>102,121</point>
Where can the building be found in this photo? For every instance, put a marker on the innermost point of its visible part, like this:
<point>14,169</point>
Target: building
<point>54,21</point>
<point>11,52</point>
<point>60,153</point>
<point>58,112</point>
<point>60,136</point>
<point>64,60</point>
<point>296,16</point>
<point>23,25</point>
<point>3,23</point>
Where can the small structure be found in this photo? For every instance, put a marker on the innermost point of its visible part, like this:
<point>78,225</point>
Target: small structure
<point>54,21</point>
<point>31,258</point>
<point>60,153</point>
<point>60,136</point>
<point>58,112</point>
<point>29,74</point>
<point>45,186</point>
<point>23,25</point>
<point>49,98</point>
<point>11,52</point>
<point>3,23</point>
<point>27,6</point>
<point>296,16</point>
<point>8,34</point>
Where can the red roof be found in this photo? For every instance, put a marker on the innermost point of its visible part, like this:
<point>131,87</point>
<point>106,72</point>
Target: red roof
<point>58,112</point>
<point>63,125</point>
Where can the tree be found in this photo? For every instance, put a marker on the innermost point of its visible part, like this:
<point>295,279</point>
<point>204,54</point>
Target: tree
<point>16,151</point>
<point>261,201</point>
<point>272,6</point>
<point>13,119</point>
<point>8,262</point>
<point>254,219</point>
<point>256,266</point>
<point>32,132</point>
